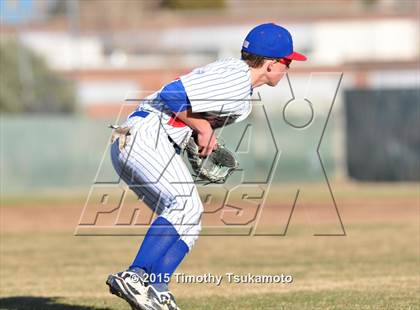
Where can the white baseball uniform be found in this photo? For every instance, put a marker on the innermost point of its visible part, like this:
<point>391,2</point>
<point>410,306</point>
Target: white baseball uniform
<point>150,163</point>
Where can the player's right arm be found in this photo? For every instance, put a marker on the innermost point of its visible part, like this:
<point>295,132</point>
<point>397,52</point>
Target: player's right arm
<point>206,139</point>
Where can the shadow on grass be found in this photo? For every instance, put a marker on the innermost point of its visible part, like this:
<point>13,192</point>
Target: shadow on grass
<point>39,303</point>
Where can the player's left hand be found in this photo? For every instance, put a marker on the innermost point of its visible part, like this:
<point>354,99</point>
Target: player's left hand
<point>207,142</point>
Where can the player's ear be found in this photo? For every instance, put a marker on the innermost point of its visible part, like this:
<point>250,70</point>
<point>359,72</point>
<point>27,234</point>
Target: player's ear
<point>269,64</point>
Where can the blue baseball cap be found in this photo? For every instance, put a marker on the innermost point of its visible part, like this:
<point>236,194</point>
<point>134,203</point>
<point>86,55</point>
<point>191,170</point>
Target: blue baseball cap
<point>272,41</point>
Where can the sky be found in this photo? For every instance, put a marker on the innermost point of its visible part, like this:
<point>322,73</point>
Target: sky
<point>16,11</point>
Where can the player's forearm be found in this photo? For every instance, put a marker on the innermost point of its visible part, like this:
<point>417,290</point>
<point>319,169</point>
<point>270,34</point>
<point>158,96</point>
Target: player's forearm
<point>206,139</point>
<point>198,124</point>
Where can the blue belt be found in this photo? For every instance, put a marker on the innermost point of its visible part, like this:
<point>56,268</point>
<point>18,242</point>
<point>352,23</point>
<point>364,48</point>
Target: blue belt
<point>139,113</point>
<point>144,114</point>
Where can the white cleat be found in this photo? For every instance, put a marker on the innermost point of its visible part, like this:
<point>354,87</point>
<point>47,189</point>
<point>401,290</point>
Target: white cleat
<point>161,300</point>
<point>132,287</point>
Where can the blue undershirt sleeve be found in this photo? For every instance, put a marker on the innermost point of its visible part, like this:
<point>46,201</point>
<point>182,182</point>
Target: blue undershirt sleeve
<point>173,95</point>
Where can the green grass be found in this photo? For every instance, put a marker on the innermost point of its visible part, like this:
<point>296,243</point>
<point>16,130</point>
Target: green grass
<point>376,266</point>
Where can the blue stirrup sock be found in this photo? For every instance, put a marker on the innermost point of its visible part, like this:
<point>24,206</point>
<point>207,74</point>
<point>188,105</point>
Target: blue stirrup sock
<point>158,240</point>
<point>163,269</point>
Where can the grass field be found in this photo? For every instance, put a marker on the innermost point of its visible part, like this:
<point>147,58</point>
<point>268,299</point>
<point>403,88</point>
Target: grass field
<point>375,266</point>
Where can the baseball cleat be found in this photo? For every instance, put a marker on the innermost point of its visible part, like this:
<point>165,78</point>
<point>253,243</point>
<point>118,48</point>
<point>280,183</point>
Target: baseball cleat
<point>131,287</point>
<point>161,300</point>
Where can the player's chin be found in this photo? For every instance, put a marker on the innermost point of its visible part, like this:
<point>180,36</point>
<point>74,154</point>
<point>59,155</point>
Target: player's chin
<point>273,83</point>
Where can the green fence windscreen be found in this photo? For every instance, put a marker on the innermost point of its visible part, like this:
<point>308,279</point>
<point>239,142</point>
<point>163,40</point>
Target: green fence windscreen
<point>383,134</point>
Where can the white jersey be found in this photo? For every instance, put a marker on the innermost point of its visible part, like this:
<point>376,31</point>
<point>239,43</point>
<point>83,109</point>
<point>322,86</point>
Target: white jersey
<point>221,91</point>
<point>153,167</point>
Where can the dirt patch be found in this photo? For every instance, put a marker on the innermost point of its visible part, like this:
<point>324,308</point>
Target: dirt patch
<point>351,208</point>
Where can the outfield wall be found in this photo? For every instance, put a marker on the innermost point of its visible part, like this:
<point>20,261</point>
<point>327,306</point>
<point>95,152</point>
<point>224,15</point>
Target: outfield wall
<point>62,153</point>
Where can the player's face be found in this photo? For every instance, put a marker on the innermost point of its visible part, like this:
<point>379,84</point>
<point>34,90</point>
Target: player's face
<point>276,70</point>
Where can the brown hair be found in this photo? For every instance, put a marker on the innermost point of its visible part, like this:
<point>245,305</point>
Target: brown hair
<point>254,61</point>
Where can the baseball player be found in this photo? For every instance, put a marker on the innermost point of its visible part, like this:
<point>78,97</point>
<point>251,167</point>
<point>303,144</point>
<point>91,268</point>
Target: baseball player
<point>147,156</point>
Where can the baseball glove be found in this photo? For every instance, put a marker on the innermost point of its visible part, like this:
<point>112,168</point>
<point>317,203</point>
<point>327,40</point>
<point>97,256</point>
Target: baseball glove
<point>216,167</point>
